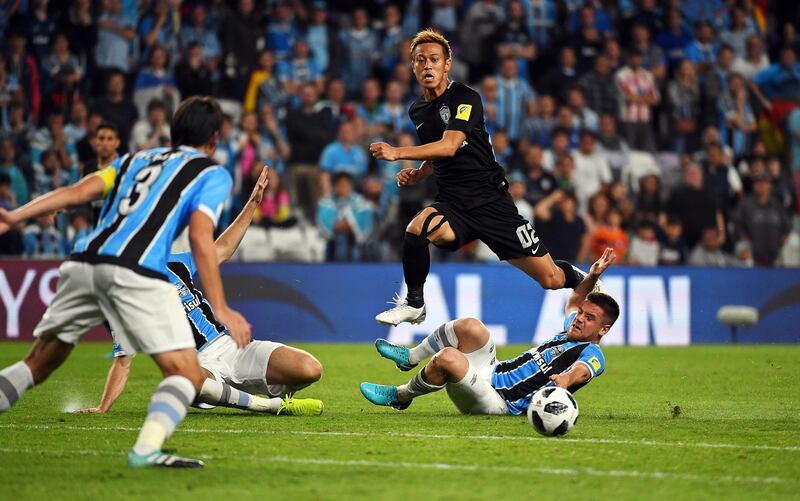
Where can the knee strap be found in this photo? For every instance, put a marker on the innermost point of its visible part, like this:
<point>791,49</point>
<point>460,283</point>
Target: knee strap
<point>425,224</point>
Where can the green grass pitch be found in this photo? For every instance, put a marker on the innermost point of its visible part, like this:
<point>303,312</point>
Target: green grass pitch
<point>684,423</point>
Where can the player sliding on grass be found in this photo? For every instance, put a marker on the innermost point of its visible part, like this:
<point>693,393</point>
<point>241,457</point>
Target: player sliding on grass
<point>473,200</point>
<point>464,362</point>
<point>262,367</point>
<point>117,273</point>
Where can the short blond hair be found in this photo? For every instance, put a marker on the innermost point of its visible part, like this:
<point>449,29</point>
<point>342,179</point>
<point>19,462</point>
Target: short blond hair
<point>431,35</point>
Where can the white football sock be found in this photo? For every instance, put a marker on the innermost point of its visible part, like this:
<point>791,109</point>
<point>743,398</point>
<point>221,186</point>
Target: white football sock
<point>415,387</point>
<point>14,381</point>
<point>442,337</point>
<point>218,393</point>
<point>167,410</point>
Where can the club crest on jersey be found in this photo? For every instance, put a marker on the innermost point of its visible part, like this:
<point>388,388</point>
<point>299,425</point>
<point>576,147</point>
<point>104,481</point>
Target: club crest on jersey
<point>444,112</point>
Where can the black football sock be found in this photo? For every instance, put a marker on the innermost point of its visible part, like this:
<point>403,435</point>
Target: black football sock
<point>416,265</point>
<point>571,277</point>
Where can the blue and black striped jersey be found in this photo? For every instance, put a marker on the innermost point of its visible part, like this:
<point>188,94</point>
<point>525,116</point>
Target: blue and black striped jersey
<point>518,379</point>
<point>153,194</point>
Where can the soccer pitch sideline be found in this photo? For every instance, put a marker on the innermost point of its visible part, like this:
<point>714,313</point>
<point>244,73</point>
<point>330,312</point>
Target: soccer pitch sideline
<point>698,422</point>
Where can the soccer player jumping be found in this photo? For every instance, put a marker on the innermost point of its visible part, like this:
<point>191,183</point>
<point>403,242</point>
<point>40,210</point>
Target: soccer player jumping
<point>464,359</point>
<point>473,200</point>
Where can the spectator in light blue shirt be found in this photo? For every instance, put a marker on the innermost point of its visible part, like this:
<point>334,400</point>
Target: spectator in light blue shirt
<point>781,80</point>
<point>42,239</point>
<point>702,51</point>
<point>345,219</point>
<point>199,33</point>
<point>512,94</point>
<point>114,35</point>
<point>360,45</point>
<point>318,35</point>
<point>282,32</point>
<point>344,155</point>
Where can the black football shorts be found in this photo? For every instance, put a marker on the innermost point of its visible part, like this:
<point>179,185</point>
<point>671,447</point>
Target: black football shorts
<point>498,224</point>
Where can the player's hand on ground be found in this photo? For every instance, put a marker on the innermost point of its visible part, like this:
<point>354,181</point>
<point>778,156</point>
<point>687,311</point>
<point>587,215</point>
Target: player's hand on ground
<point>260,187</point>
<point>238,327</point>
<point>383,151</point>
<point>91,410</point>
<point>561,380</point>
<point>603,263</point>
<point>409,177</point>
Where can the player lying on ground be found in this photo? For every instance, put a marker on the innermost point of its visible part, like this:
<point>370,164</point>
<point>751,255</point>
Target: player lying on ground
<point>117,273</point>
<point>473,200</point>
<point>261,367</point>
<point>464,362</point>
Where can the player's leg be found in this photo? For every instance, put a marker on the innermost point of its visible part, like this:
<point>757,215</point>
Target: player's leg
<point>45,357</point>
<point>430,225</point>
<point>550,274</point>
<point>465,334</point>
<point>292,368</point>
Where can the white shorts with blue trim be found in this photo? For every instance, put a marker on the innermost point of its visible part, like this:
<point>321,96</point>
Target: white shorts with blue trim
<point>474,394</point>
<point>245,368</point>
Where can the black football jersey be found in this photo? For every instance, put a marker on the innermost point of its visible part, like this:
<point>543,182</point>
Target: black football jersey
<point>472,177</point>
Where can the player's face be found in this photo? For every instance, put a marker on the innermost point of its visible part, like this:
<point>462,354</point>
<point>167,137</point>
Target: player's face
<point>430,65</point>
<point>589,323</point>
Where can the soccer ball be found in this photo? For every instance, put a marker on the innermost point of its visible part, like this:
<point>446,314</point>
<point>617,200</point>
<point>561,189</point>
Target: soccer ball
<point>552,411</point>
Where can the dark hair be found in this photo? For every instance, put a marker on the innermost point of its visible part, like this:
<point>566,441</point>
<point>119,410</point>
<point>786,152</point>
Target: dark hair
<point>342,175</point>
<point>5,179</point>
<point>196,121</point>
<point>606,303</point>
<point>156,104</point>
<point>108,126</point>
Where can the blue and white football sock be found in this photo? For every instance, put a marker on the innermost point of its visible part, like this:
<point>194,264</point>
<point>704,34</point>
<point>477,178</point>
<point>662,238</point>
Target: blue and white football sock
<point>436,341</point>
<point>222,394</point>
<point>415,387</point>
<point>14,381</point>
<point>167,410</point>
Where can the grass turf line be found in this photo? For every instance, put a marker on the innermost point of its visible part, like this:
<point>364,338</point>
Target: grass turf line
<point>643,431</point>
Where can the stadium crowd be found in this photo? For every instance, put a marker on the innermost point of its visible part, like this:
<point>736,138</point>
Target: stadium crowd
<point>669,131</point>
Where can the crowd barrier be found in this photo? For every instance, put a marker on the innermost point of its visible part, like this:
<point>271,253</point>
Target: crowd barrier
<point>336,303</point>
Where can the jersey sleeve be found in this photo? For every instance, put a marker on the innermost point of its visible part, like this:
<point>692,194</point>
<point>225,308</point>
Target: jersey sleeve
<point>592,357</point>
<point>108,174</point>
<point>211,193</point>
<point>467,112</point>
<point>186,259</point>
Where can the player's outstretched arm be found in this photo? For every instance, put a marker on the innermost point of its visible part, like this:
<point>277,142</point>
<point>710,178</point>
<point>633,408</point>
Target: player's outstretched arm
<point>229,241</point>
<point>87,189</point>
<point>579,373</point>
<point>410,176</point>
<point>201,237</point>
<point>585,287</point>
<point>115,384</point>
<point>446,147</point>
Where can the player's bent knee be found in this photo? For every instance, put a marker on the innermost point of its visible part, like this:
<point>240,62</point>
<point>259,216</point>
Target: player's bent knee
<point>446,359</point>
<point>310,370</point>
<point>469,326</point>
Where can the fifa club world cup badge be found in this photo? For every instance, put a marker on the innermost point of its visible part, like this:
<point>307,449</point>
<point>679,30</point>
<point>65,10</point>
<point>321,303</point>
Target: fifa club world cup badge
<point>444,112</point>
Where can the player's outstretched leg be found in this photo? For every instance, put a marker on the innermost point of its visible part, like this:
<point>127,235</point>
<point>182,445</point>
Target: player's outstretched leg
<point>183,378</point>
<point>447,365</point>
<point>428,226</point>
<point>550,274</point>
<point>45,357</point>
<point>465,334</point>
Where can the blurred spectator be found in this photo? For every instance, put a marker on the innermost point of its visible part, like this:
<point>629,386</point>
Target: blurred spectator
<point>648,199</point>
<point>683,99</point>
<point>395,110</point>
<point>282,31</point>
<point>116,108</point>
<point>479,25</point>
<point>703,50</point>
<point>559,148</point>
<point>17,129</point>
<point>264,86</point>
<point>60,63</point>
<point>754,60</point>
<point>585,118</point>
<point>780,80</point>
<point>557,222</point>
<point>592,172</point>
<point>489,97</point>
<point>41,238</point>
<point>241,35</point>
<point>85,147</point>
<point>535,128</point>
<point>388,170</point>
<point>762,221</point>
<point>672,248</point>
<point>513,41</point>
<point>160,26</point>
<point>613,147</point>
<point>652,56</point>
<point>155,81</point>
<point>675,39</point>
<point>619,197</point>
<point>715,83</point>
<point>609,233</point>
<point>345,220</point>
<point>320,37</point>
<point>740,30</point>
<point>344,154</point>
<point>589,38</point>
<point>25,71</point>
<point>105,142</point>
<point>81,30</point>
<point>192,76</point>
<point>517,188</point>
<point>52,138</point>
<point>39,26</point>
<point>512,93</point>
<point>391,40</point>
<point>565,173</point>
<point>371,111</point>
<point>153,131</point>
<point>709,251</point>
<point>7,199</point>
<point>17,183</point>
<point>695,206</point>
<point>639,95</point>
<point>721,178</point>
<point>300,69</point>
<point>503,151</point>
<point>542,16</point>
<point>613,52</point>
<point>80,225</point>
<point>558,80</point>
<point>276,206</point>
<point>51,174</point>
<point>78,124</point>
<point>599,88</point>
<point>737,120</point>
<point>254,149</point>
<point>114,35</point>
<point>539,182</point>
<point>335,105</point>
<point>198,32</point>
<point>644,249</point>
<point>360,45</point>
<point>793,126</point>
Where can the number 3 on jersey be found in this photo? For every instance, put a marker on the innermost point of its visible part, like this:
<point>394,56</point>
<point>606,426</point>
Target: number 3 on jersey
<point>526,235</point>
<point>144,179</point>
